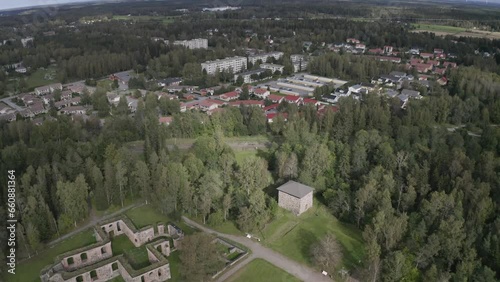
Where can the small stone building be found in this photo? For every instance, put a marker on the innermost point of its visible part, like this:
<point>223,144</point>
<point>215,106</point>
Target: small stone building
<point>295,197</point>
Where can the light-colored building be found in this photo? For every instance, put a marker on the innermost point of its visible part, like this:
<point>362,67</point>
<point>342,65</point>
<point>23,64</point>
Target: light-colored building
<point>295,197</point>
<point>48,89</point>
<point>247,75</point>
<point>264,56</point>
<point>236,64</point>
<point>26,41</point>
<point>272,67</point>
<point>299,62</point>
<point>198,43</point>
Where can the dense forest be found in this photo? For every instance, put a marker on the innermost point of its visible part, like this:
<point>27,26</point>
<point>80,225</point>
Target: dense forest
<point>426,198</point>
<point>422,183</point>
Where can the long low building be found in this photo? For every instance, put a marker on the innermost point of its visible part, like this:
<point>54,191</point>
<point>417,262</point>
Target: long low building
<point>198,43</point>
<point>301,84</point>
<point>263,57</point>
<point>236,64</point>
<point>247,75</point>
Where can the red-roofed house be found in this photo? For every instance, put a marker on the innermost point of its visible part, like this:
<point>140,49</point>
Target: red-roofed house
<point>439,71</point>
<point>261,93</point>
<point>423,68</point>
<point>166,120</point>
<point>415,61</point>
<point>293,99</point>
<point>353,41</point>
<point>434,63</point>
<point>270,117</point>
<point>449,65</point>
<point>259,104</point>
<point>229,96</point>
<point>375,51</point>
<point>275,98</point>
<point>360,46</point>
<point>209,104</point>
<point>426,55</point>
<point>438,51</point>
<point>271,108</point>
<point>442,81</point>
<point>310,101</point>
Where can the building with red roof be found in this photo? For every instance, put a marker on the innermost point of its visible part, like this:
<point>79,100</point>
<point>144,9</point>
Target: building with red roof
<point>293,99</point>
<point>261,93</point>
<point>272,116</point>
<point>270,108</point>
<point>310,101</point>
<point>210,104</point>
<point>229,96</point>
<point>275,98</point>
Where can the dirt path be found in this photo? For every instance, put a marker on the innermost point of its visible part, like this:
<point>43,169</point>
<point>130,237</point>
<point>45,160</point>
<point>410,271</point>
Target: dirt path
<point>298,270</point>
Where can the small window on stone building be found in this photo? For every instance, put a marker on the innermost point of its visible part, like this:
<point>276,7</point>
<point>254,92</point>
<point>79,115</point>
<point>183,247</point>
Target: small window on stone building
<point>79,279</point>
<point>118,226</point>
<point>83,256</point>
<point>114,266</point>
<point>159,248</point>
<point>93,275</point>
<point>103,250</point>
<point>70,261</point>
<point>159,272</point>
<point>143,279</point>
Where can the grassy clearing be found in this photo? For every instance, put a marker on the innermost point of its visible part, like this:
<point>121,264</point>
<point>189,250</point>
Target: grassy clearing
<point>293,236</point>
<point>241,155</point>
<point>147,215</point>
<point>29,270</point>
<point>137,257</point>
<point>260,270</point>
<point>439,28</point>
<point>175,267</point>
<point>42,77</point>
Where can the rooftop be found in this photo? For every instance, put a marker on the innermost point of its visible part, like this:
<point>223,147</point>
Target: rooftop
<point>295,189</point>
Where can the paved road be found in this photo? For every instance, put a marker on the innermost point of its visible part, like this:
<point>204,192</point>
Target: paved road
<point>11,104</point>
<point>298,270</point>
<point>94,220</point>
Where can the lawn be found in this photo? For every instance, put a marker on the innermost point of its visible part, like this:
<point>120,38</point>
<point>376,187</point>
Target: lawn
<point>439,28</point>
<point>41,77</point>
<point>260,270</point>
<point>293,236</point>
<point>29,270</point>
<point>137,257</point>
<point>241,155</point>
<point>146,215</point>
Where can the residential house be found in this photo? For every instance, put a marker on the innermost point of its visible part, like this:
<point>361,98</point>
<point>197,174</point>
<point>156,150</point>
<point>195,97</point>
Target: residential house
<point>388,49</point>
<point>229,96</point>
<point>132,103</point>
<point>411,94</point>
<point>426,55</point>
<point>48,89</point>
<point>250,76</point>
<point>275,98</point>
<point>310,101</point>
<point>240,103</point>
<point>293,99</point>
<point>66,95</point>
<point>271,108</point>
<point>165,120</point>
<point>172,81</point>
<point>74,110</point>
<point>261,93</point>
<point>272,116</point>
<point>352,41</point>
<point>210,104</point>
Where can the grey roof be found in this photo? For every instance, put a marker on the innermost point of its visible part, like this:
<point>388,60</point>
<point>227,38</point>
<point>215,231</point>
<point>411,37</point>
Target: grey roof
<point>295,189</point>
<point>410,93</point>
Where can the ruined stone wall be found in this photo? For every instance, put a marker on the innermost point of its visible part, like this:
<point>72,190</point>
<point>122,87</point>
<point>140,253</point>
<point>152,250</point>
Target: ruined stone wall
<point>289,202</point>
<point>306,202</point>
<point>93,255</point>
<point>164,247</point>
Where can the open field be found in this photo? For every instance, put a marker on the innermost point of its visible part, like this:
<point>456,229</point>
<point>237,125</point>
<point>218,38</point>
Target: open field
<point>137,257</point>
<point>42,77</point>
<point>29,270</point>
<point>260,270</point>
<point>293,235</point>
<point>443,30</point>
<point>146,215</point>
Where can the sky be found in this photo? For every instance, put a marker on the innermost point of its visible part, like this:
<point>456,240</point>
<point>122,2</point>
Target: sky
<point>10,4</point>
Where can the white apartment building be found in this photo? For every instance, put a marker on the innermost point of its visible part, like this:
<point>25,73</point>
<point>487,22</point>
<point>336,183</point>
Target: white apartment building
<point>272,67</point>
<point>299,62</point>
<point>198,43</point>
<point>236,64</point>
<point>264,56</point>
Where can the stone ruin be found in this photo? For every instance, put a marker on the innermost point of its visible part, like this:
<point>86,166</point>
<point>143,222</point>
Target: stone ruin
<point>96,263</point>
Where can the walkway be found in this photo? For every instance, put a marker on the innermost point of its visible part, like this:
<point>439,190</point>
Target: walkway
<point>11,104</point>
<point>298,270</point>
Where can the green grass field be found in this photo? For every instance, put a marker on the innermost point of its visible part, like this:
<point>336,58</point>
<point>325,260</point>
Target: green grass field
<point>439,28</point>
<point>137,257</point>
<point>38,78</point>
<point>293,236</point>
<point>147,215</point>
<point>260,270</point>
<point>241,155</point>
<point>29,270</point>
